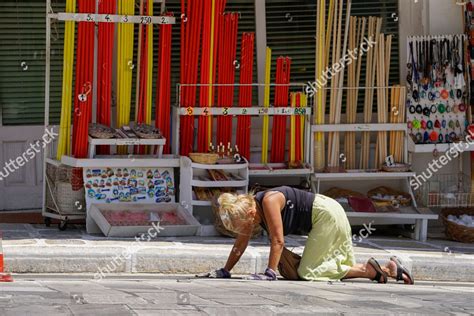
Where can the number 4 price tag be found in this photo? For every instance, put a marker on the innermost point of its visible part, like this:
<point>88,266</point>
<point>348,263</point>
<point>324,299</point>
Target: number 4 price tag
<point>390,161</point>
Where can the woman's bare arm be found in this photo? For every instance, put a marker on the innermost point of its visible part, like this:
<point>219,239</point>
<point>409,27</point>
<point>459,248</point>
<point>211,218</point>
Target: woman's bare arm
<point>238,250</point>
<point>272,206</point>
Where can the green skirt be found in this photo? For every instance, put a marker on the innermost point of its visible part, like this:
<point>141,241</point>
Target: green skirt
<point>328,254</point>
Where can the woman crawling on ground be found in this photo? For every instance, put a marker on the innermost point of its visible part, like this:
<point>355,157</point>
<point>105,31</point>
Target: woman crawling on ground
<point>328,253</point>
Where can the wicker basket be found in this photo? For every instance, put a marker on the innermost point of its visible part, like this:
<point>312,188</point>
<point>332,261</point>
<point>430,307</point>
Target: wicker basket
<point>207,159</point>
<point>148,136</point>
<point>146,131</point>
<point>65,192</point>
<point>101,131</point>
<point>219,225</point>
<point>404,201</point>
<point>68,200</point>
<point>455,231</point>
<point>336,193</point>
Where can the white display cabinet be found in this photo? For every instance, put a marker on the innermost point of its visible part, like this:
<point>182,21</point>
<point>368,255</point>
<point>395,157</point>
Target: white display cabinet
<point>195,175</point>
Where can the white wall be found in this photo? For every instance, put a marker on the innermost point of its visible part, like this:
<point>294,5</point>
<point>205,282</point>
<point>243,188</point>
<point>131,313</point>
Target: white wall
<point>445,17</point>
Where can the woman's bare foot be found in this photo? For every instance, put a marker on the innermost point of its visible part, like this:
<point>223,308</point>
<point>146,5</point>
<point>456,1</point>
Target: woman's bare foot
<point>391,269</point>
<point>376,272</point>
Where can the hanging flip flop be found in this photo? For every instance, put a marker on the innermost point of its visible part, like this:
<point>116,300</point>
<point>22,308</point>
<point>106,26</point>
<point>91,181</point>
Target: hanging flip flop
<point>379,272</point>
<point>402,270</point>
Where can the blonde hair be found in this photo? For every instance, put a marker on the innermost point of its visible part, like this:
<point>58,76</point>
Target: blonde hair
<point>234,207</point>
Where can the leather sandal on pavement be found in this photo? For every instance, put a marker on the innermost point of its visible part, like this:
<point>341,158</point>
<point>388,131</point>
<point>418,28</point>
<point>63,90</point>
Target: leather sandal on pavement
<point>381,276</point>
<point>402,270</point>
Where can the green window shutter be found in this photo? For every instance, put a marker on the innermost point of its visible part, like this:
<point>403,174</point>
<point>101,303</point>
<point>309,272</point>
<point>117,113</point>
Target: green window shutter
<point>291,31</point>
<point>23,40</point>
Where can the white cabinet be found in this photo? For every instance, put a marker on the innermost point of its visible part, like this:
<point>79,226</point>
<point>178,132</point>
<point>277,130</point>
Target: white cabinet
<point>196,175</point>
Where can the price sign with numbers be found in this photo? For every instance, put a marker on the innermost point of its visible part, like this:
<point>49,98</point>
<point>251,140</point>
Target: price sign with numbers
<point>145,19</point>
<point>225,111</point>
<point>189,111</point>
<point>244,111</point>
<point>205,111</point>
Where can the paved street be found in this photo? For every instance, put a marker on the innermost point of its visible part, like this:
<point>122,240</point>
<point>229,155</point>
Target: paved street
<point>143,295</point>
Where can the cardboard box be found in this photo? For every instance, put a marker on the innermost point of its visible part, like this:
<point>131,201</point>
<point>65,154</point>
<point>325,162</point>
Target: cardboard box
<point>100,212</point>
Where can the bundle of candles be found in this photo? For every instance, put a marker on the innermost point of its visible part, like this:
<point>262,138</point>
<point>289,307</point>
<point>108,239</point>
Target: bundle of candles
<point>397,115</point>
<point>374,27</point>
<point>226,56</point>
<point>104,70</point>
<point>339,46</point>
<point>297,130</point>
<point>225,152</point>
<point>278,149</point>
<point>84,74</point>
<point>212,11</point>
<point>83,81</point>
<point>357,26</point>
<point>383,70</point>
<point>125,66</point>
<point>245,93</point>
<point>64,143</point>
<point>191,24</point>
<point>145,71</point>
<point>163,82</point>
<point>266,104</point>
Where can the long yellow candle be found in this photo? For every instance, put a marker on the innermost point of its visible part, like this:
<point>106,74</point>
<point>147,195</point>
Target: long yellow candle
<point>319,104</point>
<point>303,103</point>
<point>211,66</point>
<point>293,130</point>
<point>266,103</point>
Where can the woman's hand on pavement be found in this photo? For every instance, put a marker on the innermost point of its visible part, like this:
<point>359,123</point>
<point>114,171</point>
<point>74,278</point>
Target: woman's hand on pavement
<point>269,275</point>
<point>216,274</point>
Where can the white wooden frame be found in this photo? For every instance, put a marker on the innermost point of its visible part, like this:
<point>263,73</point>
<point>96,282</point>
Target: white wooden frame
<point>268,169</point>
<point>187,181</point>
<point>93,18</point>
<point>420,220</point>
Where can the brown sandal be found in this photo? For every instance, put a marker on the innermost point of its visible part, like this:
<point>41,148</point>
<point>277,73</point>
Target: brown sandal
<point>401,270</point>
<point>380,272</point>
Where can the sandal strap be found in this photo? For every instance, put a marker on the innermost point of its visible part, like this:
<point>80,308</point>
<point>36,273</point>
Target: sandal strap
<point>399,272</point>
<point>379,272</point>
